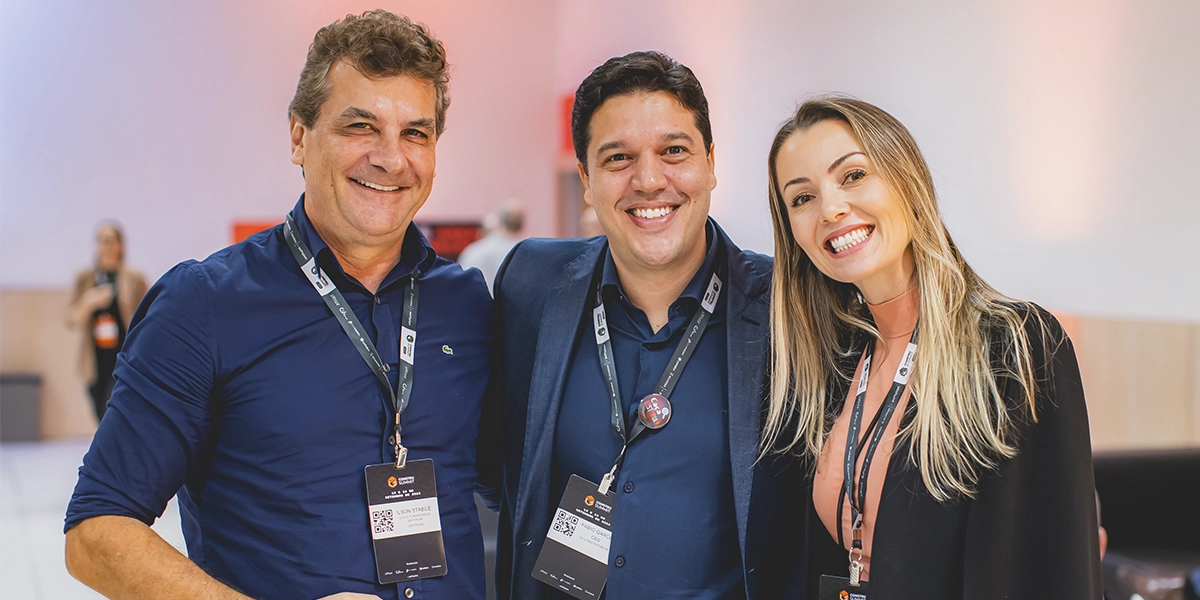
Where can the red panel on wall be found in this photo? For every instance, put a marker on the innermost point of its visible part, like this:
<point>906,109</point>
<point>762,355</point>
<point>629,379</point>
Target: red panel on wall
<point>566,103</point>
<point>449,239</point>
<point>245,229</point>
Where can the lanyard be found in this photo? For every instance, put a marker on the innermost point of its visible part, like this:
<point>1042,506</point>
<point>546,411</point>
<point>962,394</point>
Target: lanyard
<point>357,334</point>
<point>875,430</point>
<point>655,409</point>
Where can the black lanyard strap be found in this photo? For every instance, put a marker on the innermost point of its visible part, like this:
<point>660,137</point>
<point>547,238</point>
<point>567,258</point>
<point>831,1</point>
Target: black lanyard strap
<point>883,417</point>
<point>670,377</point>
<point>358,336</point>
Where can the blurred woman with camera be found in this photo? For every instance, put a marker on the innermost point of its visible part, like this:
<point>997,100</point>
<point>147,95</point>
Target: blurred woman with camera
<point>943,422</point>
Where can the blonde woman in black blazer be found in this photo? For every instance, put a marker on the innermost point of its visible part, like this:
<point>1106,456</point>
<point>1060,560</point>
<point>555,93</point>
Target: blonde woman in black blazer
<point>982,481</point>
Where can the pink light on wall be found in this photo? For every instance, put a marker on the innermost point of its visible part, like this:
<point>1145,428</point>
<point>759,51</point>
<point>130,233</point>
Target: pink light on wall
<point>1066,74</point>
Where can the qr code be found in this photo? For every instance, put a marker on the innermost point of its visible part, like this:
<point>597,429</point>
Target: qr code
<point>565,523</point>
<point>382,521</point>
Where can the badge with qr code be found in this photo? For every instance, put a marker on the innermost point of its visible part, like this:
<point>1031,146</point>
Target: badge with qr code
<point>574,557</point>
<point>406,528</point>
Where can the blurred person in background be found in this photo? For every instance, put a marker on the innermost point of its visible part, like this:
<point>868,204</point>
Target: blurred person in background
<point>944,423</point>
<point>589,225</point>
<point>243,390</point>
<point>502,231</point>
<point>102,304</point>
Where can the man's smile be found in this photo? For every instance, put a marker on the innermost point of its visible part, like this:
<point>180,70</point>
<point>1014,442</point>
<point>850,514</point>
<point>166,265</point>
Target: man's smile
<point>652,213</point>
<point>376,186</point>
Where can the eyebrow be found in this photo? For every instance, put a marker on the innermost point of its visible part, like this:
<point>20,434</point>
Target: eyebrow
<point>835,165</point>
<point>670,137</point>
<point>427,123</point>
<point>358,113</point>
<point>354,112</point>
<point>678,135</point>
<point>609,146</point>
<point>839,161</point>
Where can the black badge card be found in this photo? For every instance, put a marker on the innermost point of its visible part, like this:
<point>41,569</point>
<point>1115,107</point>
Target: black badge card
<point>574,557</point>
<point>839,588</point>
<point>406,528</point>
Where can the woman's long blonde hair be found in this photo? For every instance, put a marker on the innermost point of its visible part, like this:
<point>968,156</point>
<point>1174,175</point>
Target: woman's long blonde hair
<point>972,337</point>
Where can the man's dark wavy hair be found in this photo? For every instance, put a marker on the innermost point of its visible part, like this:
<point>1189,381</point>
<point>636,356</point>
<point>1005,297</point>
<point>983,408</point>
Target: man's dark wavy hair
<point>645,72</point>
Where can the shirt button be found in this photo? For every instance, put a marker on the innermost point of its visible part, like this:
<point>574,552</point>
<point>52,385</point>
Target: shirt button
<point>377,301</point>
<point>628,487</point>
<point>391,440</point>
<point>409,593</point>
<point>620,561</point>
<point>387,368</point>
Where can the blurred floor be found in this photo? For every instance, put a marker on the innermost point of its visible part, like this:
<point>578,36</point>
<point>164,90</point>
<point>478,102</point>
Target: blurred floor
<point>36,480</point>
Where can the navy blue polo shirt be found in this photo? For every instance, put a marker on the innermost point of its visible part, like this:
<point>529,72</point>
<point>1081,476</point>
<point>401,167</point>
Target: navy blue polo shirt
<point>238,389</point>
<point>675,529</point>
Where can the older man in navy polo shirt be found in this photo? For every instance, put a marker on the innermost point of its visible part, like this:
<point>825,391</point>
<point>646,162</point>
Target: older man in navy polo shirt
<point>263,383</point>
<point>633,383</point>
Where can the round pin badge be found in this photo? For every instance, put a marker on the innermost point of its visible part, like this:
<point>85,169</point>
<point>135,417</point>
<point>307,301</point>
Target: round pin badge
<point>654,411</point>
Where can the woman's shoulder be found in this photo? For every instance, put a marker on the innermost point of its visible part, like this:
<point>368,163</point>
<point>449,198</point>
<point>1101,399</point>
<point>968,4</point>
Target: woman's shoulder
<point>84,279</point>
<point>1043,331</point>
<point>1054,370</point>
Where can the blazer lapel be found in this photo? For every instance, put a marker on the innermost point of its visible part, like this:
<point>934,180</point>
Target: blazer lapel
<point>560,323</point>
<point>746,326</point>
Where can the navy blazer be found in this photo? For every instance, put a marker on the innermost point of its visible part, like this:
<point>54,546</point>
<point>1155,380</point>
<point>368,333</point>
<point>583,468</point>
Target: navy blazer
<point>541,295</point>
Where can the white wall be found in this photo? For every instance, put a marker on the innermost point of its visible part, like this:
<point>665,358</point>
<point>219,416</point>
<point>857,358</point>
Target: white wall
<point>172,118</point>
<point>1063,134</point>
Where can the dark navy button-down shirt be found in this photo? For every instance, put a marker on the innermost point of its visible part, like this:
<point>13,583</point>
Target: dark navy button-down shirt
<point>238,389</point>
<point>675,529</point>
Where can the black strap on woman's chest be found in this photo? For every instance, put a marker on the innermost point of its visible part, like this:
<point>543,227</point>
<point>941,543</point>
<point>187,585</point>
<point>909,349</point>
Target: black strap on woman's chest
<point>871,437</point>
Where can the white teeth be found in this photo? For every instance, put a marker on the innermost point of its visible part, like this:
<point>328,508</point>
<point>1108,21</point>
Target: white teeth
<point>849,240</point>
<point>382,188</point>
<point>652,213</point>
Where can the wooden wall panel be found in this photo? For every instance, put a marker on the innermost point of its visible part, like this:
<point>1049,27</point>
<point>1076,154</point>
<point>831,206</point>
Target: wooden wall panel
<point>34,338</point>
<point>1140,381</point>
<point>1195,376</point>
<point>1140,377</point>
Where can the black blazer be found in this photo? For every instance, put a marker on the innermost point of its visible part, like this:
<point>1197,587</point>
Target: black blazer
<point>541,298</point>
<point>1029,533</point>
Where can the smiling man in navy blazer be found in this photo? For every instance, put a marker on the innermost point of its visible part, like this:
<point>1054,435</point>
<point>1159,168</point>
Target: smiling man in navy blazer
<point>696,515</point>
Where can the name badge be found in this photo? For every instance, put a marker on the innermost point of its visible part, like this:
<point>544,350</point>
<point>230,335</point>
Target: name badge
<point>574,557</point>
<point>105,331</point>
<point>406,528</point>
<point>839,588</point>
